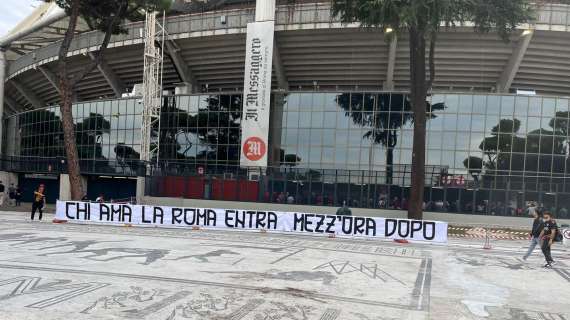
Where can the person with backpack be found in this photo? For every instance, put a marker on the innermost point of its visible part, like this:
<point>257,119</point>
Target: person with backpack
<point>548,235</point>
<point>537,226</point>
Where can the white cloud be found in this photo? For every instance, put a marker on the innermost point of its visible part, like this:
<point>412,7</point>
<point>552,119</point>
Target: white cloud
<point>12,12</point>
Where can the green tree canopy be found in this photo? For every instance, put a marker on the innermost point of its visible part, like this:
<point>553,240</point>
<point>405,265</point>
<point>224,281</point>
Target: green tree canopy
<point>421,20</point>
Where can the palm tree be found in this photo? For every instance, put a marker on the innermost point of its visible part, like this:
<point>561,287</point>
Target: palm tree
<point>422,20</point>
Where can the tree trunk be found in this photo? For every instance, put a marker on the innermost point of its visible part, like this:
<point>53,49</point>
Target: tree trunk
<point>418,98</point>
<point>67,84</point>
<point>389,165</point>
<point>66,87</point>
<point>71,153</point>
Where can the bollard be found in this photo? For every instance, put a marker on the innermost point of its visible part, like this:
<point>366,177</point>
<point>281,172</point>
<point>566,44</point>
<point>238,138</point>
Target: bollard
<point>566,237</point>
<point>487,244</point>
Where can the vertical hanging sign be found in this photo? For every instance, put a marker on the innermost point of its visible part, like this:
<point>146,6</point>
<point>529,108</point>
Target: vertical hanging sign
<point>257,94</point>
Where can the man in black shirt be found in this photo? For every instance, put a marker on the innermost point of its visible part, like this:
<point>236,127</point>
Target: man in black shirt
<point>547,236</point>
<point>537,226</point>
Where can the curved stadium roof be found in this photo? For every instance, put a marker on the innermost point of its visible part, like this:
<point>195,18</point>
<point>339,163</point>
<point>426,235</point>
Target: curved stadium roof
<point>207,49</point>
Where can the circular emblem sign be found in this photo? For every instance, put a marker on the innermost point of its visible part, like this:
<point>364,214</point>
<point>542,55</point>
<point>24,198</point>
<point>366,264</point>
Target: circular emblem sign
<point>567,233</point>
<point>254,148</point>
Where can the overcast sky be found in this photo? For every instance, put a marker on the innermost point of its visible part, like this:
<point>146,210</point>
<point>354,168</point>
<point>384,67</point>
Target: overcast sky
<point>13,11</point>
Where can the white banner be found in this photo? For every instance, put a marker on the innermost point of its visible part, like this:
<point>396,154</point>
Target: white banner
<point>257,94</point>
<point>271,221</point>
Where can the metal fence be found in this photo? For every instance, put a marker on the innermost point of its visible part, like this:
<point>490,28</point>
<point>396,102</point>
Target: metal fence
<point>321,187</point>
<point>131,168</point>
<point>357,188</point>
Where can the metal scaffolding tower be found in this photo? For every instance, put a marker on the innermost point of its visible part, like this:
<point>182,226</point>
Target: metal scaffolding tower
<point>152,86</point>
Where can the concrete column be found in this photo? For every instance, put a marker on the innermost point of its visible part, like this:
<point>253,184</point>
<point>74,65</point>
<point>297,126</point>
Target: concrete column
<point>183,88</point>
<point>65,187</point>
<point>275,124</point>
<point>140,189</point>
<point>8,178</point>
<point>13,137</point>
<point>264,10</point>
<point>2,82</point>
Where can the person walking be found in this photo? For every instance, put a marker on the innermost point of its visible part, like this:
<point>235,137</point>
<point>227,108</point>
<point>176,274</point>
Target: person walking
<point>547,235</point>
<point>39,201</point>
<point>12,195</point>
<point>18,197</point>
<point>2,193</point>
<point>537,226</point>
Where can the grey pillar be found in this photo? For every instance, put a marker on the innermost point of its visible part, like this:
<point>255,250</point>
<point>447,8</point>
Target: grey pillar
<point>2,82</point>
<point>264,10</point>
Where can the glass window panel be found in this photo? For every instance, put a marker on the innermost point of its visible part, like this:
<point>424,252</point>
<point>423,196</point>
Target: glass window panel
<point>476,140</point>
<point>433,157</point>
<point>319,102</point>
<point>316,136</point>
<point>465,105</point>
<point>330,120</point>
<point>342,121</point>
<point>507,106</point>
<point>354,156</point>
<point>341,156</point>
<point>548,107</point>
<point>449,122</point>
<point>305,136</point>
<point>493,104</point>
<point>328,137</point>
<point>292,119</point>
<point>458,164</point>
<point>406,138</point>
<point>452,103</point>
<point>480,105</point>
<point>328,155</point>
<point>331,103</point>
<point>398,102</point>
<point>533,123</point>
<point>436,124</point>
<point>292,102</point>
<point>355,137</point>
<point>434,139</point>
<point>562,105</point>
<point>535,106</point>
<point>315,155</point>
<point>305,119</point>
<point>317,119</point>
<point>462,141</point>
<point>305,101</point>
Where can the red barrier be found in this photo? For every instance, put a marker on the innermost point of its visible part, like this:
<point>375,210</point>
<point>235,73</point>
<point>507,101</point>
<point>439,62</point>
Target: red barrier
<point>221,189</point>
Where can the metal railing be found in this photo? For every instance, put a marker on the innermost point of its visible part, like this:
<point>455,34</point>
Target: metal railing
<point>358,188</point>
<point>39,165</point>
<point>555,16</point>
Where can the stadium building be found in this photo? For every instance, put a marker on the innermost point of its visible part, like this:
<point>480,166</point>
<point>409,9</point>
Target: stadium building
<point>331,119</point>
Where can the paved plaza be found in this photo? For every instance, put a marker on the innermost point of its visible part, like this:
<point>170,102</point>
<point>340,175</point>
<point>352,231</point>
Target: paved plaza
<point>69,271</point>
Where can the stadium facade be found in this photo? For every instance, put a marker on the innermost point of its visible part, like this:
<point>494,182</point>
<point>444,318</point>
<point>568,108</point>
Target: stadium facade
<point>338,123</point>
